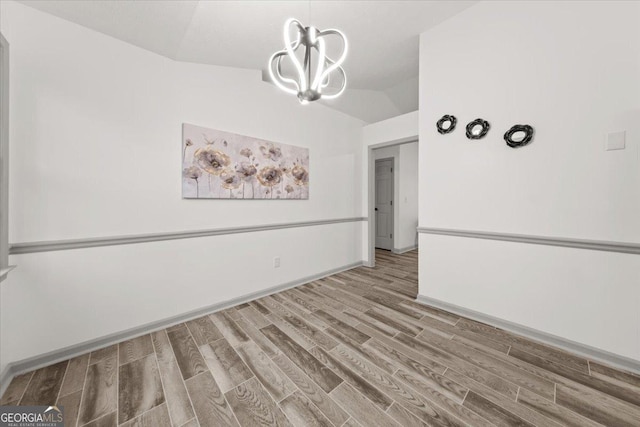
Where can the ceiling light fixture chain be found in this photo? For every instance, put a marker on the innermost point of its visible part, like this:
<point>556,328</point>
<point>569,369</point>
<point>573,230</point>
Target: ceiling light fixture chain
<point>310,82</point>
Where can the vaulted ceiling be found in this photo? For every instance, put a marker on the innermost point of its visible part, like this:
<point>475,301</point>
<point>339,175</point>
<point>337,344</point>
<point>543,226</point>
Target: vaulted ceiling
<point>382,65</point>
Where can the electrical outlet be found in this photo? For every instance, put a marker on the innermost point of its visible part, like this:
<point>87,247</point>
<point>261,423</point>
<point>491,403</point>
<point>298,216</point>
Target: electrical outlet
<point>276,262</point>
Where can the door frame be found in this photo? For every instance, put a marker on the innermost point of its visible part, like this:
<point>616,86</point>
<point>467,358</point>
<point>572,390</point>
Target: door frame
<point>394,170</point>
<point>370,162</point>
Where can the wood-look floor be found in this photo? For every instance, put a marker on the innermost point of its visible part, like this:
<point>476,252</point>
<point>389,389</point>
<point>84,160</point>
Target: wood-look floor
<point>351,349</point>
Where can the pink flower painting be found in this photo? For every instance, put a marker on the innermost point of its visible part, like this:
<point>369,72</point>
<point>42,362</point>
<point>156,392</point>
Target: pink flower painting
<point>224,165</point>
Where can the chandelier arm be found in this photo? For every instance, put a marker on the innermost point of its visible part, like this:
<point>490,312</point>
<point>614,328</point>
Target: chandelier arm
<point>317,81</point>
<point>290,51</point>
<point>342,88</point>
<point>282,77</point>
<point>340,60</point>
<point>327,79</point>
<point>280,80</point>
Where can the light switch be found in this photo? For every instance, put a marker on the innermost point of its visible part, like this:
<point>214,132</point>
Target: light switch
<point>616,141</point>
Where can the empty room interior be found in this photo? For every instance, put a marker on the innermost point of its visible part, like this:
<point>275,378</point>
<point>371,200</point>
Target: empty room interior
<point>319,213</point>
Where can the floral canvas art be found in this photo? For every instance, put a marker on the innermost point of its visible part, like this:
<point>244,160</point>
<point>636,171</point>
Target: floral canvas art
<point>224,165</point>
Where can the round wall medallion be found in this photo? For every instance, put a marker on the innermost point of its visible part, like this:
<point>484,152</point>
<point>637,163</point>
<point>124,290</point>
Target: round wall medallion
<point>446,124</point>
<point>477,129</point>
<point>518,136</point>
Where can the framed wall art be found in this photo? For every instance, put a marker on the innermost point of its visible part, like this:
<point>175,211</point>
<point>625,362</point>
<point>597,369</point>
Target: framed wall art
<point>224,165</point>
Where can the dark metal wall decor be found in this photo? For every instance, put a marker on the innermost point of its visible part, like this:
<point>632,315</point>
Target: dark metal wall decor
<point>477,129</point>
<point>442,126</point>
<point>514,140</point>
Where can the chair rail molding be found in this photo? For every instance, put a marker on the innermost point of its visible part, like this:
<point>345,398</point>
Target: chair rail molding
<point>595,245</point>
<point>60,245</point>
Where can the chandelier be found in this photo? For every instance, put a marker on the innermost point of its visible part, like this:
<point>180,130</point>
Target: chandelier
<point>313,75</point>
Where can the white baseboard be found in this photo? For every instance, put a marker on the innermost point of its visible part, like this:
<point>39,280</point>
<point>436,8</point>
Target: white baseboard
<point>403,250</point>
<point>26,365</point>
<point>591,353</point>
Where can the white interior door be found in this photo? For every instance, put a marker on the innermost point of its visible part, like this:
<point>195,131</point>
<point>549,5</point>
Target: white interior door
<point>384,204</point>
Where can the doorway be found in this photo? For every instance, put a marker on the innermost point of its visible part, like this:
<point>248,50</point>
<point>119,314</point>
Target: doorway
<point>392,198</point>
<point>384,195</point>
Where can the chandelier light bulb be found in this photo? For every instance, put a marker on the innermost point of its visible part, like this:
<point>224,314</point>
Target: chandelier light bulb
<point>314,73</point>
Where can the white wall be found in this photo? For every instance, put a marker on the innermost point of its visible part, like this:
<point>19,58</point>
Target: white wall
<point>571,70</point>
<point>408,197</point>
<point>405,190</point>
<point>95,151</point>
<point>396,129</point>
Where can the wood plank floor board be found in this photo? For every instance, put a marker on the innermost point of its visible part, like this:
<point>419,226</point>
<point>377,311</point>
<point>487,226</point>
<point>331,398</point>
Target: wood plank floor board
<point>313,391</point>
<point>162,346</point>
<point>494,413</point>
<point>229,328</point>
<point>45,385</point>
<point>615,375</point>
<point>451,411</point>
<point>100,393</point>
<point>408,396</point>
<point>361,408</point>
<point>322,301</point>
<point>342,327</point>
<point>533,347</point>
<point>433,312</point>
<point>16,388</point>
<point>322,375</point>
<point>175,392</point>
<point>227,367</point>
<point>286,327</point>
<point>187,355</point>
<point>156,417</point>
<point>337,294</point>
<point>622,393</point>
<point>398,325</point>
<point>260,307</point>
<point>365,352</point>
<point>191,423</point>
<point>108,420</point>
<point>231,312</point>
<point>74,377</point>
<point>299,298</point>
<point>338,315</point>
<point>253,316</point>
<point>353,378</point>
<point>203,330</point>
<point>304,314</point>
<point>139,388</point>
<point>135,349</point>
<point>404,417</point>
<point>258,338</point>
<point>315,335</point>
<point>302,412</point>
<point>508,403</point>
<point>553,411</point>
<point>372,323</point>
<point>489,363</point>
<point>465,336</point>
<point>253,406</point>
<point>267,372</point>
<point>397,352</point>
<point>209,403</point>
<point>71,404</point>
<point>103,353</point>
<point>598,406</point>
<point>335,351</point>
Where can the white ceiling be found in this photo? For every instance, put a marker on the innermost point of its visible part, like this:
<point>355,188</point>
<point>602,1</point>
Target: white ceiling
<point>383,37</point>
